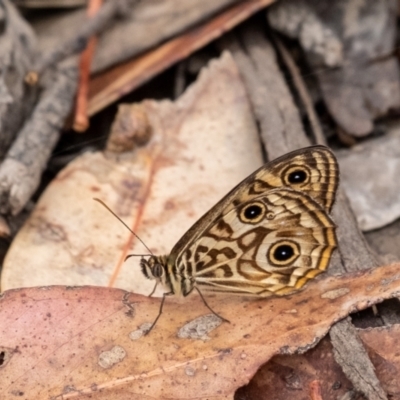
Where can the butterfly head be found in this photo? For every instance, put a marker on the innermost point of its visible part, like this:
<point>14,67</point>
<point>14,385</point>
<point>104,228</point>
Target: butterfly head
<point>155,267</point>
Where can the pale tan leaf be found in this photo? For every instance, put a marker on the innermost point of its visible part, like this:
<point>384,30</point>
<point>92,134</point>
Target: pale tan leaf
<point>202,146</point>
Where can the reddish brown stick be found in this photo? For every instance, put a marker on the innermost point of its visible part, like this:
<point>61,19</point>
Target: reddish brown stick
<point>81,120</point>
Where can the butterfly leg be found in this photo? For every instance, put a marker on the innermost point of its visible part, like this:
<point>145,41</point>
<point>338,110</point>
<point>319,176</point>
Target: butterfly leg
<point>205,303</point>
<point>159,313</point>
<point>154,289</point>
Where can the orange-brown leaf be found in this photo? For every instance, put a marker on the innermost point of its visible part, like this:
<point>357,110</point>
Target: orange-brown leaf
<point>77,342</point>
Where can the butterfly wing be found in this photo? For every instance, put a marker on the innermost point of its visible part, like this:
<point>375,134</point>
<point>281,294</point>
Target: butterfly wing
<point>312,170</point>
<point>271,244</point>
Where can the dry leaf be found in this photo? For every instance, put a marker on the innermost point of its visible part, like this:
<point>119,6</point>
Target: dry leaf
<point>71,343</point>
<point>291,377</point>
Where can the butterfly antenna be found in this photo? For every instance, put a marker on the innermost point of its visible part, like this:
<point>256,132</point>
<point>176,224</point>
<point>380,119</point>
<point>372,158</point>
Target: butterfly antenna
<point>127,227</point>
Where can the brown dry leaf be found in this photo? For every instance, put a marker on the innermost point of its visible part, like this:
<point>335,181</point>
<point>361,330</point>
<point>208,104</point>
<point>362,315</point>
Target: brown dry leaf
<point>159,190</point>
<point>292,376</point>
<point>75,343</point>
<point>109,86</point>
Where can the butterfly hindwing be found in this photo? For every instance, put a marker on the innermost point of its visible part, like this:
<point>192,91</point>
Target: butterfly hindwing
<point>272,244</point>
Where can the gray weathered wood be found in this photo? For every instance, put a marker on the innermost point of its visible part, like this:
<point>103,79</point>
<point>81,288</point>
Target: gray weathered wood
<point>21,170</point>
<point>143,25</point>
<point>346,341</point>
<point>17,49</point>
<point>273,106</point>
<point>350,43</point>
<point>282,131</point>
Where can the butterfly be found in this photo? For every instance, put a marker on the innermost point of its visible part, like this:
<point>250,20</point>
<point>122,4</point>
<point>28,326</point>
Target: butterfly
<point>269,235</point>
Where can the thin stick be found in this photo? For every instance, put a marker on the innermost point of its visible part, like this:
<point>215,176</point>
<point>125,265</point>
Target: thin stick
<point>302,91</point>
<point>81,119</point>
<point>315,390</point>
<point>126,226</point>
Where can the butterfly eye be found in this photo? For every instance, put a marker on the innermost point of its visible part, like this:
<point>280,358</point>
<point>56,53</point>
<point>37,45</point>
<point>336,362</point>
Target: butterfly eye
<point>283,253</point>
<point>296,175</point>
<point>253,213</point>
<point>157,270</point>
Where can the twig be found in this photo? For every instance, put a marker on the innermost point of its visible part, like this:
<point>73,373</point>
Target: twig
<point>315,390</point>
<point>95,25</point>
<point>302,90</point>
<point>81,120</point>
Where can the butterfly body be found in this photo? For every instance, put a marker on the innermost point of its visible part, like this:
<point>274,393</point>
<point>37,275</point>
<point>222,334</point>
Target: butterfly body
<point>270,235</point>
<point>174,279</point>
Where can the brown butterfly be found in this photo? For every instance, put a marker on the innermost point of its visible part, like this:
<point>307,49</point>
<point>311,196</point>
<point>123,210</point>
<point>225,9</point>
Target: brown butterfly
<point>268,236</point>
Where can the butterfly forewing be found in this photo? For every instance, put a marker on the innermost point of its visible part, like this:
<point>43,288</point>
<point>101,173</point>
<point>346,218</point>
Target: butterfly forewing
<point>312,170</point>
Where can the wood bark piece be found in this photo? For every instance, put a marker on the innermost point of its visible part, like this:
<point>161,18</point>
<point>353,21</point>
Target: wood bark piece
<point>110,85</point>
<point>364,373</point>
<point>22,168</point>
<point>385,242</point>
<point>251,61</point>
<point>17,49</point>
<point>351,240</point>
<point>351,243</point>
<point>291,136</point>
<point>71,342</point>
<point>271,100</point>
<point>160,190</point>
<point>348,43</point>
<point>143,25</point>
